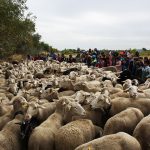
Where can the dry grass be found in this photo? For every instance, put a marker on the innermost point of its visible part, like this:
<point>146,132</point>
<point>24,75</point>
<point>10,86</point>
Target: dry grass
<point>145,53</point>
<point>16,57</point>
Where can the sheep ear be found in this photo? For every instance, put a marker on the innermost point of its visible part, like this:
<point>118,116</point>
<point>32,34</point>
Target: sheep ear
<point>64,103</point>
<point>25,105</point>
<point>108,101</point>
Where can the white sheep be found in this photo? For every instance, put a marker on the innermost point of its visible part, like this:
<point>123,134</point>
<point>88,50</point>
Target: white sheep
<point>42,137</point>
<point>119,141</point>
<point>41,112</point>
<point>120,103</point>
<point>10,135</point>
<point>141,133</point>
<point>124,121</point>
<point>76,133</point>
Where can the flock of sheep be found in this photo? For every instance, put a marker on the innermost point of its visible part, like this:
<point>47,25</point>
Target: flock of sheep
<point>76,107</point>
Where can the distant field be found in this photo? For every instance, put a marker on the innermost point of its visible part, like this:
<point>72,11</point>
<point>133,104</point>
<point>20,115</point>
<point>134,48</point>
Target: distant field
<point>145,53</point>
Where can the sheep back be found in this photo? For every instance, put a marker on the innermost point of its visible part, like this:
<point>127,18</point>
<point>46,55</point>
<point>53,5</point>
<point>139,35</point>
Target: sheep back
<point>119,141</point>
<point>74,134</point>
<point>125,121</point>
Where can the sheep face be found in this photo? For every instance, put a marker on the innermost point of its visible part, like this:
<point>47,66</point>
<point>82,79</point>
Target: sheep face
<point>49,94</point>
<point>69,107</point>
<point>102,102</point>
<point>80,86</point>
<point>90,98</point>
<point>33,110</point>
<point>133,91</point>
<point>91,77</point>
<point>128,81</point>
<point>81,96</point>
<point>19,104</point>
<point>76,109</point>
<point>73,75</point>
<point>147,83</point>
<point>135,82</point>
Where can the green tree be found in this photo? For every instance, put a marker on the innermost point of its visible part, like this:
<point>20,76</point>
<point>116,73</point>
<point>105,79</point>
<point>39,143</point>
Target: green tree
<point>144,49</point>
<point>16,28</point>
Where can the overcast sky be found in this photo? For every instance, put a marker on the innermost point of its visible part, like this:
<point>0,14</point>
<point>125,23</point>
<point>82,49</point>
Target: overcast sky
<point>110,24</point>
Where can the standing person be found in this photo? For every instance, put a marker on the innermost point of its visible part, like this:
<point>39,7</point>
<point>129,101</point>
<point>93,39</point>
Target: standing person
<point>137,54</point>
<point>118,64</point>
<point>139,71</point>
<point>102,61</point>
<point>90,51</point>
<point>146,70</point>
<point>94,60</point>
<point>132,66</point>
<point>89,60</point>
<point>78,58</point>
<point>125,63</point>
<point>114,55</point>
<point>29,57</point>
<point>105,60</point>
<point>84,57</point>
<point>58,57</point>
<point>70,59</point>
<point>63,58</point>
<point>54,56</point>
<point>110,58</point>
<point>128,54</point>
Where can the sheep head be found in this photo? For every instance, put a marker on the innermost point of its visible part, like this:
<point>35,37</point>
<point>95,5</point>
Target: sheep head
<point>81,96</point>
<point>133,91</point>
<point>101,102</point>
<point>19,103</point>
<point>33,110</point>
<point>65,106</point>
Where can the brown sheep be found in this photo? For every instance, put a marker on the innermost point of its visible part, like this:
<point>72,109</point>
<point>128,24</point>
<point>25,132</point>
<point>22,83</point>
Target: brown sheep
<point>120,103</point>
<point>41,112</point>
<point>76,133</point>
<point>142,134</point>
<point>97,110</point>
<point>10,135</point>
<point>96,116</point>
<point>119,141</point>
<point>19,105</point>
<point>90,86</point>
<point>42,137</point>
<point>124,121</point>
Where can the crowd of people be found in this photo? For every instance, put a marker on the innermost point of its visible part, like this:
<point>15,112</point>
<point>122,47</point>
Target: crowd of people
<point>135,66</point>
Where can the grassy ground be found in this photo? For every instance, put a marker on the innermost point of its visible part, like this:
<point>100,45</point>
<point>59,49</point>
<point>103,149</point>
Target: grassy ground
<point>145,53</point>
<point>16,57</point>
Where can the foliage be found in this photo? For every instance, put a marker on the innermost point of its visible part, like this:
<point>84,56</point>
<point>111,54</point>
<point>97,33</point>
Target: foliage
<point>133,51</point>
<point>17,30</point>
<point>69,51</point>
<point>145,53</point>
<point>144,49</point>
<point>15,27</point>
